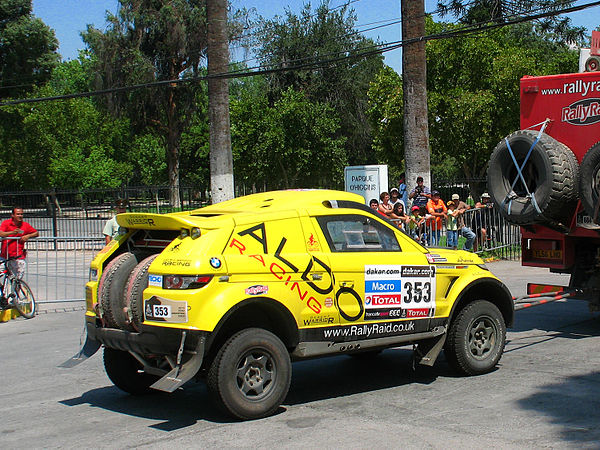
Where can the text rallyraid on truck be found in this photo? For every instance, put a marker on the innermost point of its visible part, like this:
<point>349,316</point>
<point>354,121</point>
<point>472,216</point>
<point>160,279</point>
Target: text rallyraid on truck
<point>232,293</point>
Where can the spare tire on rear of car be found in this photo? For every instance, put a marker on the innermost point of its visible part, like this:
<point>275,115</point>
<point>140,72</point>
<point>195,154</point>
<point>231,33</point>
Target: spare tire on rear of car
<point>551,174</point>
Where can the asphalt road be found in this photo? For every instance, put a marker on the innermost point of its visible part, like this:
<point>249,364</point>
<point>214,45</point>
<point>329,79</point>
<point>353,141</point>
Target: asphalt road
<point>545,393</point>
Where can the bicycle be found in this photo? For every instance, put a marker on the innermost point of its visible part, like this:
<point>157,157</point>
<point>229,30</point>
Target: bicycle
<point>15,293</point>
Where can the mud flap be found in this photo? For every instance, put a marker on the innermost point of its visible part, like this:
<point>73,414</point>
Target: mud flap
<point>427,352</point>
<point>88,348</point>
<point>182,373</point>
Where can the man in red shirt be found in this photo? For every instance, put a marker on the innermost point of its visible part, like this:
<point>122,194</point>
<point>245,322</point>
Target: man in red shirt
<point>11,248</point>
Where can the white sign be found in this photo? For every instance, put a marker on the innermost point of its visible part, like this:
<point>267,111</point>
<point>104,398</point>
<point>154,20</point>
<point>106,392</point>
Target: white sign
<point>368,181</point>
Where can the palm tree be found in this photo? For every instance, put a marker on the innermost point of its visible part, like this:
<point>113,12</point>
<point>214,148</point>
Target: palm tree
<point>221,159</point>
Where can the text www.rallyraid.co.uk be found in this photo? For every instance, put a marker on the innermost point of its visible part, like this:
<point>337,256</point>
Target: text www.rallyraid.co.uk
<point>370,330</point>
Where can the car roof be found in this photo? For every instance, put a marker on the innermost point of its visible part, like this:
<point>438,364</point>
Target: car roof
<point>279,201</point>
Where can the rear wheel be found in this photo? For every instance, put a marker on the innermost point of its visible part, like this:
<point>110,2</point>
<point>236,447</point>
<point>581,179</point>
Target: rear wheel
<point>125,372</point>
<point>23,300</point>
<point>250,375</point>
<point>476,338</point>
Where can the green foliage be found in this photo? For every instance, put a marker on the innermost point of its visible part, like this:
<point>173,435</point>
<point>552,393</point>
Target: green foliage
<point>291,144</point>
<point>473,90</point>
<point>553,28</point>
<point>319,35</point>
<point>27,49</point>
<point>149,41</point>
<point>67,143</point>
<point>386,116</point>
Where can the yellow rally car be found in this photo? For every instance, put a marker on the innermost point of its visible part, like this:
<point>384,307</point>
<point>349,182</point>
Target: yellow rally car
<point>235,291</point>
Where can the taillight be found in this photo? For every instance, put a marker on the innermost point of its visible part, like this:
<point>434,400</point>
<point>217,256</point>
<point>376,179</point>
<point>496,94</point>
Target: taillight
<point>185,281</point>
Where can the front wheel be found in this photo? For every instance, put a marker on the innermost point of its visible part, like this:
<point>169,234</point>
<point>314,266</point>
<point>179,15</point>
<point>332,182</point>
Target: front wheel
<point>23,299</point>
<point>250,375</point>
<point>476,338</point>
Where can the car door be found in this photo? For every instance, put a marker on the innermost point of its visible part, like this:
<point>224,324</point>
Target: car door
<point>380,277</point>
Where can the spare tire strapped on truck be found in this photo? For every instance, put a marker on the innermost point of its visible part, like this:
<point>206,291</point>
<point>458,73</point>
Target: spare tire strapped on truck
<point>589,184</point>
<point>520,169</point>
<point>550,168</point>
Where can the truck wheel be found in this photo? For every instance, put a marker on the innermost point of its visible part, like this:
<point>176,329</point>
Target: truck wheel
<point>476,338</point>
<point>137,282</point>
<point>551,174</point>
<point>250,375</point>
<point>589,184</point>
<point>124,371</point>
<point>111,287</point>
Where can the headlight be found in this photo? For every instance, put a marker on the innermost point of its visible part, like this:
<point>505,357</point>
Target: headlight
<point>93,275</point>
<point>195,233</point>
<point>184,233</point>
<point>185,281</point>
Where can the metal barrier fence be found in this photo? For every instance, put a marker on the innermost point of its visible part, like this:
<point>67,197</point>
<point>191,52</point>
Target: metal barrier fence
<point>493,234</point>
<point>58,267</point>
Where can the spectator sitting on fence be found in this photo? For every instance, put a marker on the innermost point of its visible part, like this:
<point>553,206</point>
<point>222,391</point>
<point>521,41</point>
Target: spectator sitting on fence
<point>463,229</point>
<point>452,226</point>
<point>15,248</point>
<point>399,216</point>
<point>394,199</point>
<point>111,229</point>
<point>385,207</point>
<point>437,209</point>
<point>416,225</point>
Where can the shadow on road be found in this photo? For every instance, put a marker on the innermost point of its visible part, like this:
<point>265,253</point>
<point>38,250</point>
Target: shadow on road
<point>573,405</point>
<point>312,380</point>
<point>558,316</point>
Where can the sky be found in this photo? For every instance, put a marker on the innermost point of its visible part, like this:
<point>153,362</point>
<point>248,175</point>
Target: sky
<point>69,17</point>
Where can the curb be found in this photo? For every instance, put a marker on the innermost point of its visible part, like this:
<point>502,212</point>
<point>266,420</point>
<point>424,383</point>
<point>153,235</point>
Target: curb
<point>60,310</point>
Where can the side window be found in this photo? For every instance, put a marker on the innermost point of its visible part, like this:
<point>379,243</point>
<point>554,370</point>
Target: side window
<point>354,233</point>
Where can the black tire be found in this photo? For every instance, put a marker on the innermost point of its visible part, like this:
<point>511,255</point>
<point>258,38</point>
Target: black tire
<point>24,301</point>
<point>136,283</point>
<point>476,338</point>
<point>123,370</point>
<point>111,287</point>
<point>551,174</point>
<point>250,375</point>
<point>589,182</point>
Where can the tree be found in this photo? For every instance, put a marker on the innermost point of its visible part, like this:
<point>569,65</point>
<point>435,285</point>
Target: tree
<point>480,11</point>
<point>27,49</point>
<point>317,36</point>
<point>221,159</point>
<point>291,144</point>
<point>68,143</point>
<point>416,131</point>
<point>473,85</point>
<point>151,41</point>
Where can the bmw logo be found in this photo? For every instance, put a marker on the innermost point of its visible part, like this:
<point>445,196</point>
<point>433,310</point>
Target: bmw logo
<point>215,263</point>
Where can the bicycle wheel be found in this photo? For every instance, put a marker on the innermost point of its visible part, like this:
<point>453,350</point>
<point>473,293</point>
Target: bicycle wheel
<point>23,299</point>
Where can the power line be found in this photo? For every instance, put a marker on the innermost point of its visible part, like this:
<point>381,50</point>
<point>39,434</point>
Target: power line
<point>362,53</point>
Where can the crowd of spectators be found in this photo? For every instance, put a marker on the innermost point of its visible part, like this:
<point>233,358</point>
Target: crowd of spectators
<point>424,215</point>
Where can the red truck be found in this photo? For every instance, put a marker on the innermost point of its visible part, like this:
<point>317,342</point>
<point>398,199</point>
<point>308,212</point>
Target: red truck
<point>546,176</point>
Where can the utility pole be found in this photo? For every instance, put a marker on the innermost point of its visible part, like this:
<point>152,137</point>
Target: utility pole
<point>414,84</point>
<point>221,159</point>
